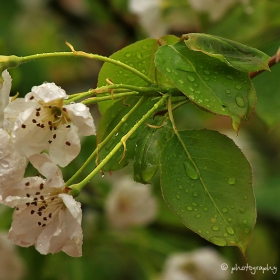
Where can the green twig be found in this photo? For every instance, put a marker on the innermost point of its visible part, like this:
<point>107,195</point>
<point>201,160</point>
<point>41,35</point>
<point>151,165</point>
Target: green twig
<point>76,188</point>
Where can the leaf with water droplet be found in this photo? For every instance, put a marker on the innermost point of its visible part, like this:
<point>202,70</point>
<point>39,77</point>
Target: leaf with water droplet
<point>234,54</point>
<point>222,184</point>
<point>141,56</point>
<point>213,84</point>
<point>149,148</point>
<point>110,119</point>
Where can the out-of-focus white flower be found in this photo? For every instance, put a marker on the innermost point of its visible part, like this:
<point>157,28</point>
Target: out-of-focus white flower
<point>201,264</point>
<point>11,266</point>
<point>149,14</point>
<point>42,122</point>
<point>5,88</point>
<point>215,8</point>
<point>130,204</point>
<point>12,165</point>
<point>45,215</point>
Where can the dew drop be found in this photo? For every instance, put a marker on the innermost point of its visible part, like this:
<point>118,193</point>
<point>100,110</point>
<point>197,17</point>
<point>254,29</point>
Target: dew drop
<point>225,210</point>
<point>231,180</point>
<point>139,55</point>
<point>128,54</point>
<point>239,87</point>
<point>206,72</point>
<point>230,230</point>
<point>242,209</point>
<point>168,70</point>
<point>189,208</point>
<point>232,206</point>
<point>178,196</point>
<point>247,230</point>
<point>180,187</point>
<point>220,241</point>
<point>229,77</point>
<point>240,101</point>
<point>195,194</point>
<point>190,78</point>
<point>205,209</point>
<point>187,190</point>
<point>199,231</point>
<point>228,91</point>
<point>178,179</point>
<point>245,222</point>
<point>190,170</point>
<point>215,228</point>
<point>181,82</point>
<point>197,216</point>
<point>229,219</point>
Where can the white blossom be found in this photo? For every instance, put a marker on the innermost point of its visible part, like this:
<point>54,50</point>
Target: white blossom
<point>12,164</point>
<point>201,264</point>
<point>149,15</point>
<point>11,265</point>
<point>5,88</point>
<point>216,9</point>
<point>45,215</point>
<point>130,204</point>
<point>43,122</point>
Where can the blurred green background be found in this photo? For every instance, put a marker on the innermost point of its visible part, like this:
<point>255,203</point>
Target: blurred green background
<point>103,27</point>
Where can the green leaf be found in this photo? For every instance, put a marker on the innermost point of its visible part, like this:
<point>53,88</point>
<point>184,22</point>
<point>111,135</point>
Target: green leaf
<point>234,54</point>
<point>110,120</point>
<point>208,82</point>
<point>207,182</point>
<point>139,55</point>
<point>148,150</point>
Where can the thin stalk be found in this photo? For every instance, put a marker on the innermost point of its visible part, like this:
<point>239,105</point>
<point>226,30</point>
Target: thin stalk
<point>76,188</point>
<point>103,143</point>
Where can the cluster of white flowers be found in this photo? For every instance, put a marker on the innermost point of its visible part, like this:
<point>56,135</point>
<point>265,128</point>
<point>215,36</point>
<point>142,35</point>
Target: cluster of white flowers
<point>41,130</point>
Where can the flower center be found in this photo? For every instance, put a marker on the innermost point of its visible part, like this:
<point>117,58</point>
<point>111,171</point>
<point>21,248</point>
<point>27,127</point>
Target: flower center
<point>44,204</point>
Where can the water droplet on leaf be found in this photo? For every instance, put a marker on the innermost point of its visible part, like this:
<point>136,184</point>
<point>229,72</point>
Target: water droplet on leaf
<point>230,230</point>
<point>231,180</point>
<point>191,170</point>
<point>220,241</point>
<point>240,101</point>
<point>215,228</point>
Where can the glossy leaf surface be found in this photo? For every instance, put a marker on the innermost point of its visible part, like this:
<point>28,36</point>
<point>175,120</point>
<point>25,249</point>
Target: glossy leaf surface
<point>236,55</point>
<point>207,182</point>
<point>148,150</point>
<point>208,82</point>
<point>139,55</point>
<point>112,117</point>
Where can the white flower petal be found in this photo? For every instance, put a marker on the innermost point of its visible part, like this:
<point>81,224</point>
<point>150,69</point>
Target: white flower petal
<point>5,89</point>
<point>47,92</point>
<point>82,118</point>
<point>66,145</point>
<point>44,164</point>
<point>12,165</point>
<point>73,206</point>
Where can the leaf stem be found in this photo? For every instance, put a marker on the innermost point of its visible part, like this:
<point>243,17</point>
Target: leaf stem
<point>76,188</point>
<point>103,143</point>
<point>273,60</point>
<point>73,53</point>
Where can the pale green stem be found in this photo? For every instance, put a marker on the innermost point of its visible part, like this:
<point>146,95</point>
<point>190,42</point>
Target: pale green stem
<point>149,91</point>
<point>103,143</point>
<point>77,187</point>
<point>18,60</point>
